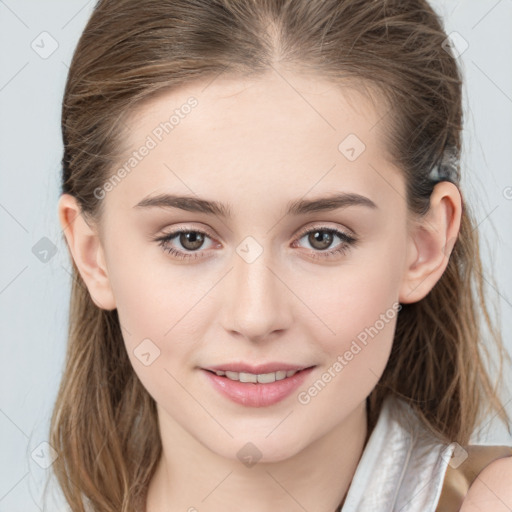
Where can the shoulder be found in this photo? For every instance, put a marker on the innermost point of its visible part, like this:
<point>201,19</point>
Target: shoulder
<point>492,489</point>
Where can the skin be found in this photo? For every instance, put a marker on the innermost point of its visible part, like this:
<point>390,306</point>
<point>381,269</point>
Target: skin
<point>491,490</point>
<point>256,145</point>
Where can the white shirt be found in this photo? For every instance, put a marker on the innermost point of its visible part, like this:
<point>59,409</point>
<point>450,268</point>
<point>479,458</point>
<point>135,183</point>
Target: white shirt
<point>402,466</point>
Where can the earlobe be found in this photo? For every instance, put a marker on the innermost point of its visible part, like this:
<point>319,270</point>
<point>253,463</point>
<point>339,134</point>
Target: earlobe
<point>86,250</point>
<point>431,241</point>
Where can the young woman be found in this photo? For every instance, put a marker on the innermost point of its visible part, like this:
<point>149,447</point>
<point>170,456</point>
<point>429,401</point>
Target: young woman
<point>277,283</point>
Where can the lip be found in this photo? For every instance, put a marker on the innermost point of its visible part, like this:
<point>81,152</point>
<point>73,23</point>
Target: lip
<point>252,394</point>
<point>256,369</point>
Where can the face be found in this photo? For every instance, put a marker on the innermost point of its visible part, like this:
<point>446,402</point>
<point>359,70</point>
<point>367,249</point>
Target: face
<point>252,282</point>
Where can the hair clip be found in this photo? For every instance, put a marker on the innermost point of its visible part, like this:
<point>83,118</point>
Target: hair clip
<point>446,169</point>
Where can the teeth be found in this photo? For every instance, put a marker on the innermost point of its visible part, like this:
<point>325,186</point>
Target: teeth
<point>262,378</point>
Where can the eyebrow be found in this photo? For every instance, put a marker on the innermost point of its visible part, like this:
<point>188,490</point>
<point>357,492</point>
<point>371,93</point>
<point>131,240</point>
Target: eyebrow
<point>295,207</point>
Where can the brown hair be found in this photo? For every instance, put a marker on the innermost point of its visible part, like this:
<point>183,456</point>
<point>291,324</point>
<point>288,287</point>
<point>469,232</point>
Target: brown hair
<point>104,424</point>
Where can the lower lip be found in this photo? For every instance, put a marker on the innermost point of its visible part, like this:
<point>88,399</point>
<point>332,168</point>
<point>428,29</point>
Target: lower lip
<point>254,394</point>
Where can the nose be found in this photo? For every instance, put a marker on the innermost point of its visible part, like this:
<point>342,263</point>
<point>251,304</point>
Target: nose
<point>257,303</point>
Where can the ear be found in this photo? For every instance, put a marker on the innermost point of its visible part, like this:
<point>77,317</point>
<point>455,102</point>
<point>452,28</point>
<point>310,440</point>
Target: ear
<point>86,250</point>
<point>430,243</point>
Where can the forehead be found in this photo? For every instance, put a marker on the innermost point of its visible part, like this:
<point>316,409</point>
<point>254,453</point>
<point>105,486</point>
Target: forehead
<point>234,136</point>
<point>278,100</point>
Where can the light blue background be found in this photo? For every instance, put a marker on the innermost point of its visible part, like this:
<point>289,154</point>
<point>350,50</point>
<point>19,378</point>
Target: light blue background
<point>34,295</point>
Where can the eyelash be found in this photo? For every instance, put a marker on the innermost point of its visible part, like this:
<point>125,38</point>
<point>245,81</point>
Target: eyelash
<point>343,248</point>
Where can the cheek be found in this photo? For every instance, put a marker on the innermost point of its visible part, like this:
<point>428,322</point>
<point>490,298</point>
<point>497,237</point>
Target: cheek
<point>356,345</point>
<point>159,309</point>
<point>354,299</point>
<point>148,292</point>
<point>145,307</point>
<point>358,309</point>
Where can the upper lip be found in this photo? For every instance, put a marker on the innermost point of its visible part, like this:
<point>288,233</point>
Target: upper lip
<point>256,369</point>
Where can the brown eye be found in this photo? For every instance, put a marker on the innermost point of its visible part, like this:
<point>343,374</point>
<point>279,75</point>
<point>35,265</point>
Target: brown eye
<point>191,240</point>
<point>320,239</point>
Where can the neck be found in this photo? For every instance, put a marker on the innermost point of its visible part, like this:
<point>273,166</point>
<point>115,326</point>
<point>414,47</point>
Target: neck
<point>190,477</point>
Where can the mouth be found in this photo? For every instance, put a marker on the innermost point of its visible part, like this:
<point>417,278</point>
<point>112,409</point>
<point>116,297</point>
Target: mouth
<point>257,389</point>
<point>257,378</point>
